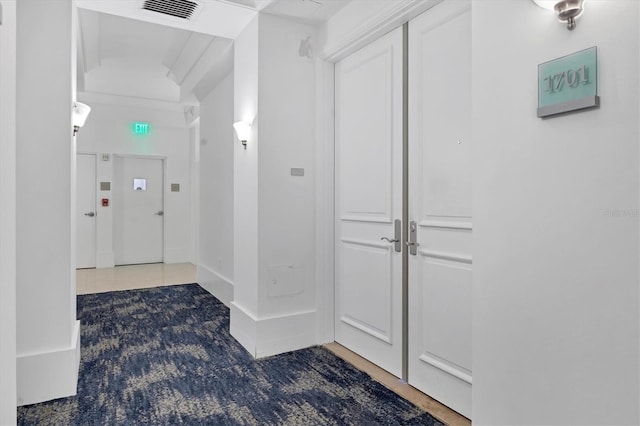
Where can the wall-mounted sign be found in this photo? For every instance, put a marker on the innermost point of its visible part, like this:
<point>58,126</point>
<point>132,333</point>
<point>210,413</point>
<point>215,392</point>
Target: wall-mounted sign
<point>569,83</point>
<point>140,128</point>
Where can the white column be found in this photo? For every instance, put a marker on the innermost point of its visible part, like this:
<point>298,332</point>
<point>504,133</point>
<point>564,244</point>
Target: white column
<point>274,305</point>
<point>47,330</point>
<point>8,213</point>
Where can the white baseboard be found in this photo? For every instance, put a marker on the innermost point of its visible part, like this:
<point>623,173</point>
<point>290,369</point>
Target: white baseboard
<point>49,375</point>
<point>275,335</point>
<point>177,255</point>
<point>218,285</point>
<point>105,259</point>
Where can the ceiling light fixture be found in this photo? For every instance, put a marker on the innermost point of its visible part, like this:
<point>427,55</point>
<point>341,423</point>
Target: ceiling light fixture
<point>568,10</point>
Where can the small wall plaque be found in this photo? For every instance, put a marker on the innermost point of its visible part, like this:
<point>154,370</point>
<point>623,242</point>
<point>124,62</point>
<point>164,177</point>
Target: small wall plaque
<point>105,186</point>
<point>175,187</point>
<point>569,83</point>
<point>297,172</point>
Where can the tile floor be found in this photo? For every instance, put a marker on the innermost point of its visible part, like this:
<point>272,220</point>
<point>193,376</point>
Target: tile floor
<point>160,274</point>
<point>133,276</point>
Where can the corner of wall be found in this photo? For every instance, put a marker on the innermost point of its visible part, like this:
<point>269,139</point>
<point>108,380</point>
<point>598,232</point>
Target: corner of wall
<point>263,337</point>
<point>218,285</point>
<point>49,375</point>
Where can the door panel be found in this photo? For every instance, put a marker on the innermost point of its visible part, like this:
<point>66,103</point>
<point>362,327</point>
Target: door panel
<point>366,269</point>
<point>138,220</point>
<point>440,204</point>
<point>368,200</point>
<point>85,211</point>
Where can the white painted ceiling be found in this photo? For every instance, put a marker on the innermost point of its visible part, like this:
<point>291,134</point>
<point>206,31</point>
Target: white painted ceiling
<point>127,51</point>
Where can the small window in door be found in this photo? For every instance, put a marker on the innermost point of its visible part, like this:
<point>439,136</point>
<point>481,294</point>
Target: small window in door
<point>139,184</point>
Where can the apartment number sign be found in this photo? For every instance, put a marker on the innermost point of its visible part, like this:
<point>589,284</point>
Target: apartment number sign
<point>568,83</point>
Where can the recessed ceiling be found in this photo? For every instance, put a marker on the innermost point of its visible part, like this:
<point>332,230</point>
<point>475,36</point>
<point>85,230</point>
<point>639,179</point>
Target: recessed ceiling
<point>128,57</point>
<point>126,50</point>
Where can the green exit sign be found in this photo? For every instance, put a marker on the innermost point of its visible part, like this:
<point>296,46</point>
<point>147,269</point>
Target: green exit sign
<point>140,128</point>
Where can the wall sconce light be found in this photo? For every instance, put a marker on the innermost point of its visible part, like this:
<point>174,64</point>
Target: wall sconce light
<point>243,130</point>
<point>568,10</point>
<point>79,113</point>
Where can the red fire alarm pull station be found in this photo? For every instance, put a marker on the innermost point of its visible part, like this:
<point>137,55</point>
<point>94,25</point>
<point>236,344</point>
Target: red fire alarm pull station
<point>105,202</point>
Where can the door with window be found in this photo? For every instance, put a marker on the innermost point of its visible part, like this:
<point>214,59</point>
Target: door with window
<point>86,211</point>
<point>368,298</point>
<point>138,210</point>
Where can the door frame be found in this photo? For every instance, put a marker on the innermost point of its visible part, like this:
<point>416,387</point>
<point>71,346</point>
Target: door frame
<point>395,15</point>
<point>164,193</point>
<point>96,222</point>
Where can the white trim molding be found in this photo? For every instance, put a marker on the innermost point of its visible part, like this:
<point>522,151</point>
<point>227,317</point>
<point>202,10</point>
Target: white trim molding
<point>324,201</point>
<point>374,19</point>
<point>105,259</point>
<point>215,283</point>
<point>45,376</point>
<point>263,337</point>
<point>446,367</point>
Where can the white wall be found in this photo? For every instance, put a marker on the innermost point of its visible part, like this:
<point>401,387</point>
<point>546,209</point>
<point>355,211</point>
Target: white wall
<point>108,130</point>
<point>215,256</point>
<point>8,399</point>
<point>556,317</point>
<point>245,170</point>
<point>274,272</point>
<point>47,333</point>
<point>287,140</point>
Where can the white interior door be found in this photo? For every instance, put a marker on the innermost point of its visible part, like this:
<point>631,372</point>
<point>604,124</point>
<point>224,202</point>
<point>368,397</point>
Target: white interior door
<point>440,204</point>
<point>138,210</point>
<point>85,211</point>
<point>368,277</point>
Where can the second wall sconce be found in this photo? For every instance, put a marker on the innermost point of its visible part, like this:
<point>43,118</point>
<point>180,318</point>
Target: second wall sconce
<point>568,10</point>
<point>79,114</point>
<point>243,130</point>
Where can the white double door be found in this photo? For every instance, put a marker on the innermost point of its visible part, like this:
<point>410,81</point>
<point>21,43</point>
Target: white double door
<point>435,346</point>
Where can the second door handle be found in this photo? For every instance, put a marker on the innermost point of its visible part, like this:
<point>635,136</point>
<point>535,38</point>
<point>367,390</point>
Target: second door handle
<point>396,241</point>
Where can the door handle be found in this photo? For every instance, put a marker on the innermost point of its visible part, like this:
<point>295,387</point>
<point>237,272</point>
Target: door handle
<point>159,213</point>
<point>412,243</point>
<point>397,237</point>
<point>90,214</point>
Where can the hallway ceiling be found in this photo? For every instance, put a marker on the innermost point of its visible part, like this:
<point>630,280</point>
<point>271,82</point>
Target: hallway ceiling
<point>128,51</point>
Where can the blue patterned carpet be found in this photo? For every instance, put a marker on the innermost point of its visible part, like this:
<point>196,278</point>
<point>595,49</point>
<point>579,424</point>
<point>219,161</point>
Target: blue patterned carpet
<point>164,356</point>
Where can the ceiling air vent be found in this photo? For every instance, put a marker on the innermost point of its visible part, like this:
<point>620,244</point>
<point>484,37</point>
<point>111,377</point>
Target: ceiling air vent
<point>179,8</point>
